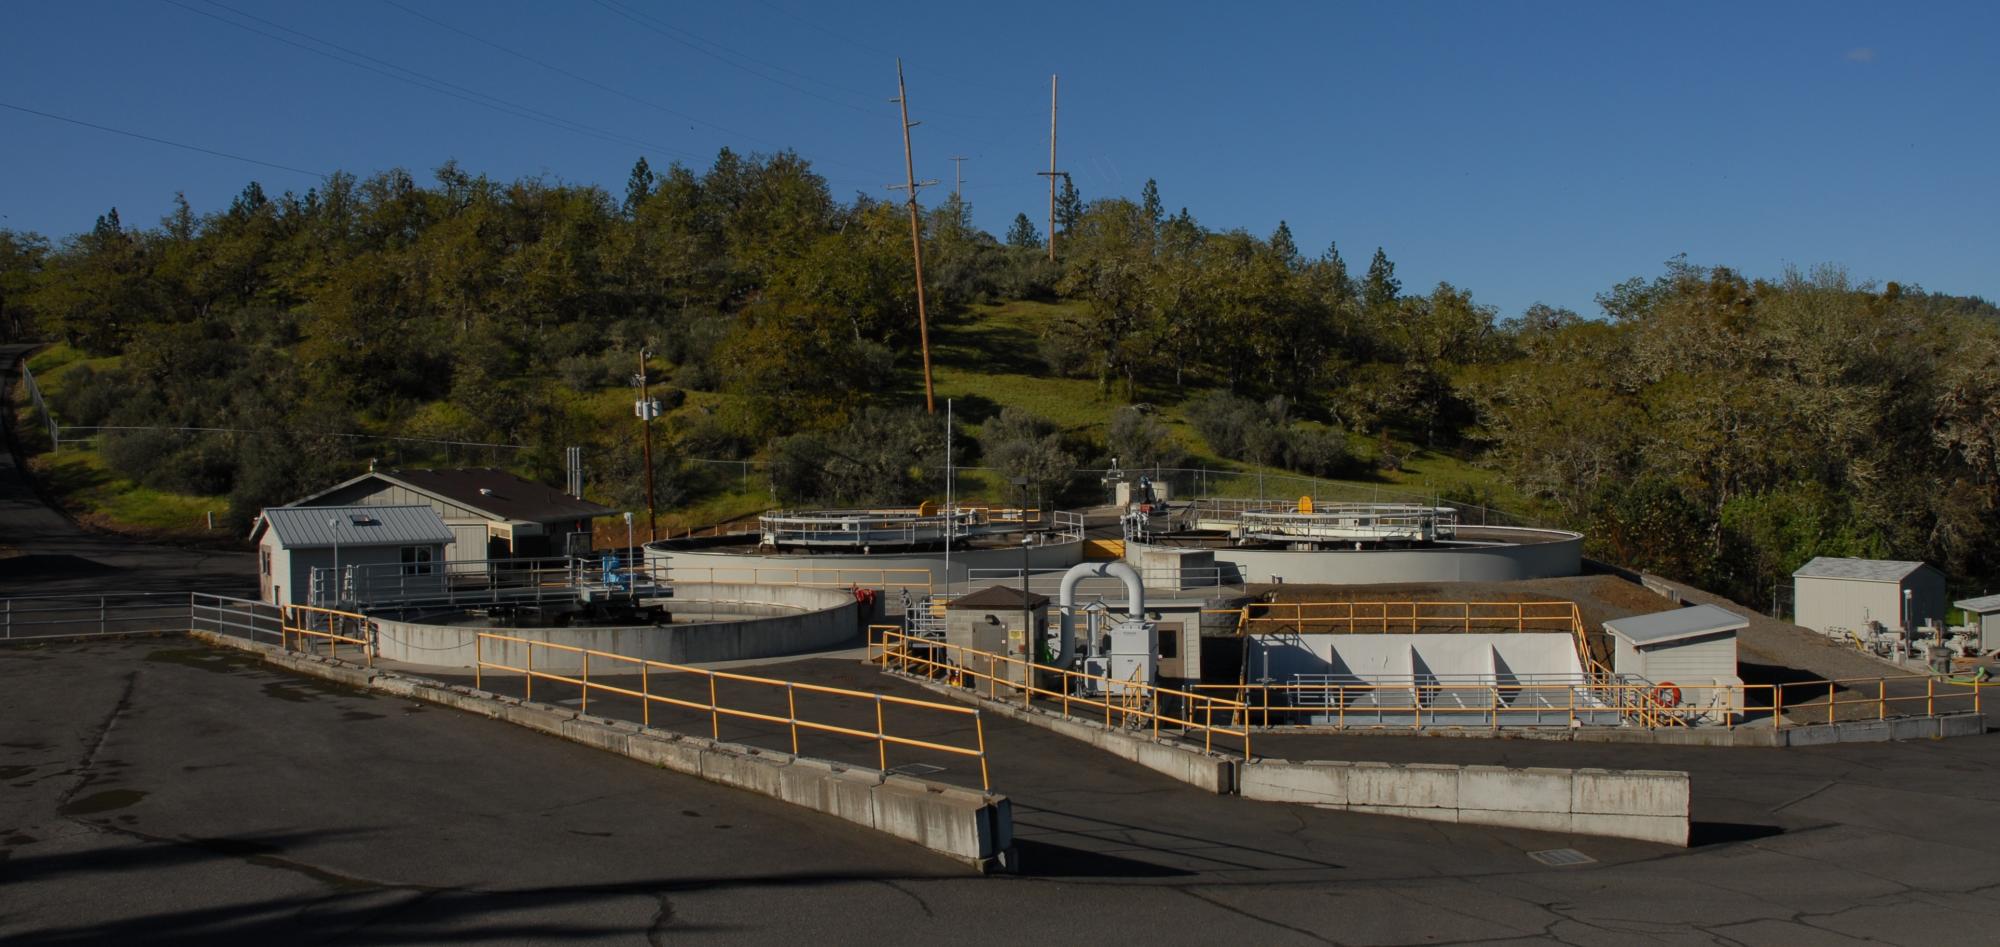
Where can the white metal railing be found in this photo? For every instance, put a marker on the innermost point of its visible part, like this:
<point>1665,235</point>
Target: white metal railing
<point>1049,581</point>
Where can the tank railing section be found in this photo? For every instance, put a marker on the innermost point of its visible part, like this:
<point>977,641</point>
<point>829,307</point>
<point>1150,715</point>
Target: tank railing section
<point>622,667</point>
<point>473,582</point>
<point>1190,484</point>
<point>259,622</point>
<point>1338,521</point>
<point>1384,617</point>
<point>1118,703</point>
<point>914,580</point>
<point>310,629</point>
<point>1048,581</point>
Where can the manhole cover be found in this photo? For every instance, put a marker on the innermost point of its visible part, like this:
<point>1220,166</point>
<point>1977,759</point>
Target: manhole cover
<point>916,769</point>
<point>1558,857</point>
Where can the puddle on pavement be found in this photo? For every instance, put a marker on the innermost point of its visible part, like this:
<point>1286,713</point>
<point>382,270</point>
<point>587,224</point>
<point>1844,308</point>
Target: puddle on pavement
<point>104,801</point>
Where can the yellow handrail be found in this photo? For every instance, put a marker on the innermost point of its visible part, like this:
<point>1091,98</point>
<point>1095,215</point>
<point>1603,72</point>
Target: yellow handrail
<point>326,624</point>
<point>715,709</point>
<point>1132,702</point>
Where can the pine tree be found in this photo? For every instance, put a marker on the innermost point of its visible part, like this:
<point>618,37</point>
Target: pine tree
<point>1380,288</point>
<point>638,187</point>
<point>1069,207</point>
<point>1149,201</point>
<point>1283,246</point>
<point>1023,235</point>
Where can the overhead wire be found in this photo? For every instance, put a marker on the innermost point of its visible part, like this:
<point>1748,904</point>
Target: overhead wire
<point>694,42</point>
<point>408,76</point>
<point>163,141</point>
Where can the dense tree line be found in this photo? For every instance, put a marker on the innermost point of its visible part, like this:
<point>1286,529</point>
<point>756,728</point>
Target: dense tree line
<point>1716,428</point>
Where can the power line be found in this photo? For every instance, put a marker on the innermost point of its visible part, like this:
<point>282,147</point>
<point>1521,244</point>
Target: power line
<point>162,141</point>
<point>348,57</point>
<point>691,43</point>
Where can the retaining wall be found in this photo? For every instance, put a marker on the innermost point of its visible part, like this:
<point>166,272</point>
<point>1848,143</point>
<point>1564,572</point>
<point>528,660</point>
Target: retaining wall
<point>1510,553</point>
<point>971,827</point>
<point>1650,805</point>
<point>801,619</point>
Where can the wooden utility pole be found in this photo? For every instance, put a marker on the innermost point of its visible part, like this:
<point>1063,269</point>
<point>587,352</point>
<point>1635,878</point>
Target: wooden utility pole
<point>911,185</point>
<point>645,411</point>
<point>1052,173</point>
<point>957,177</point>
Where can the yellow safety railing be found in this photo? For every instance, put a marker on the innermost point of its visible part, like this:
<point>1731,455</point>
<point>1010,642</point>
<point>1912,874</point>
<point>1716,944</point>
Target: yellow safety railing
<point>1128,703</point>
<point>311,623</point>
<point>813,578</point>
<point>1651,705</point>
<point>1263,618</point>
<point>490,643</point>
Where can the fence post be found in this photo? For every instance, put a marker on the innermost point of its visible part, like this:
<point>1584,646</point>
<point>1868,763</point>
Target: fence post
<point>1830,688</point>
<point>792,710</point>
<point>645,695</point>
<point>478,661</point>
<point>530,680</point>
<point>1882,699</point>
<point>881,745</point>
<point>100,614</point>
<point>1930,696</point>
<point>586,683</point>
<point>714,716</point>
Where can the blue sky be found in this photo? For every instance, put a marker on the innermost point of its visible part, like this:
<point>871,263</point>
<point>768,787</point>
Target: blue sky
<point>1528,152</point>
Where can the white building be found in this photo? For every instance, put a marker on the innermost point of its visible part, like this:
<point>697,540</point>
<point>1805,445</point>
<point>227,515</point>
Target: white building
<point>293,541</point>
<point>492,513</point>
<point>1983,615</point>
<point>1689,653</point>
<point>1833,593</point>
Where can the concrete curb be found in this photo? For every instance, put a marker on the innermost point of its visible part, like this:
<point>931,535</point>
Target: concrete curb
<point>971,827</point>
<point>1649,805</point>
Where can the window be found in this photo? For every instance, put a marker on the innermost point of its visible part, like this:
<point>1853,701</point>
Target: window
<point>417,560</point>
<point>1170,640</point>
<point>264,561</point>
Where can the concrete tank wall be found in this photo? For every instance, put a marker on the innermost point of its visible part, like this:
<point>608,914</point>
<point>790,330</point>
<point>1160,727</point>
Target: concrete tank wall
<point>803,619</point>
<point>739,563</point>
<point>1517,554</point>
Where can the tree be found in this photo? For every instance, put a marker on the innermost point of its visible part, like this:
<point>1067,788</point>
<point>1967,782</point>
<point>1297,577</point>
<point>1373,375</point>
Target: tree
<point>1023,235</point>
<point>1025,446</point>
<point>1069,207</point>
<point>1284,247</point>
<point>1379,289</point>
<point>1149,201</point>
<point>1139,440</point>
<point>638,187</point>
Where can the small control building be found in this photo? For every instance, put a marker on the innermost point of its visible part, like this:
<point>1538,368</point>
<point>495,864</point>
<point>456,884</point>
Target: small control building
<point>1688,651</point>
<point>1833,594</point>
<point>990,620</point>
<point>293,541</point>
<point>492,513</point>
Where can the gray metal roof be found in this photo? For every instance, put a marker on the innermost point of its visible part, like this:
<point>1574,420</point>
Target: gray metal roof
<point>1662,627</point>
<point>1984,605</point>
<point>1865,570</point>
<point>319,527</point>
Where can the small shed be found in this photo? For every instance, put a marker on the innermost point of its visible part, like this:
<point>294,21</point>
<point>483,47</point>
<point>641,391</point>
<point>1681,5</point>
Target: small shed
<point>1837,593</point>
<point>1692,647</point>
<point>990,619</point>
<point>492,513</point>
<point>1983,614</point>
<point>292,541</point>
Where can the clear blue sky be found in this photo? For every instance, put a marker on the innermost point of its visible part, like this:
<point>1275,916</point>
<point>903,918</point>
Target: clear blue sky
<point>1524,151</point>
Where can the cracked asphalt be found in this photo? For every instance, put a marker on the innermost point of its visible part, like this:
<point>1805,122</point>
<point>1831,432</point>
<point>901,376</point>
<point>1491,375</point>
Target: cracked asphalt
<point>161,792</point>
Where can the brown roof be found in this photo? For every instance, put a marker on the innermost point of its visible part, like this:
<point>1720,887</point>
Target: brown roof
<point>997,597</point>
<point>496,493</point>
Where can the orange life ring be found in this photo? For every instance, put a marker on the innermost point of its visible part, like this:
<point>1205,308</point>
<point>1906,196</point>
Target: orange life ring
<point>1667,695</point>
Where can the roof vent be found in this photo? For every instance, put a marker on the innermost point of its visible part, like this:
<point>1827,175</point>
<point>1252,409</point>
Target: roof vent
<point>362,519</point>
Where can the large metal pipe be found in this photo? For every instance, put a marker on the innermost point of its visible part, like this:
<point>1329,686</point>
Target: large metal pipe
<point>1135,601</point>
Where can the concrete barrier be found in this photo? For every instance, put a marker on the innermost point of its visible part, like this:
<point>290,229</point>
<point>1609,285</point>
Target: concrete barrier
<point>972,827</point>
<point>1650,805</point>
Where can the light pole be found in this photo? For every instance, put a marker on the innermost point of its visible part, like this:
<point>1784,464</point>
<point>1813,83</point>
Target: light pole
<point>1027,610</point>
<point>333,525</point>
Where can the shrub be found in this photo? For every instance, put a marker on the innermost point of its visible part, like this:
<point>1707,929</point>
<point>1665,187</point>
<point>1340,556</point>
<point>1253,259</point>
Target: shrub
<point>1138,439</point>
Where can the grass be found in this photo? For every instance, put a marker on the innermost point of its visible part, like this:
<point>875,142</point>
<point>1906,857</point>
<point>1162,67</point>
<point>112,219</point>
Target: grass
<point>95,494</point>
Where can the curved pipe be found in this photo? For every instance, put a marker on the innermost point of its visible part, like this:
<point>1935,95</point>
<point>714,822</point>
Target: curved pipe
<point>1135,599</point>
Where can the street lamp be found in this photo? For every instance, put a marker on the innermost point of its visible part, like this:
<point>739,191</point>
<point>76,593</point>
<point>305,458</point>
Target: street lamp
<point>333,524</point>
<point>1027,610</point>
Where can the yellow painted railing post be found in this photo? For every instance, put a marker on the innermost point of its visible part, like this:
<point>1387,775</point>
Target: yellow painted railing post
<point>586,682</point>
<point>478,661</point>
<point>1830,686</point>
<point>1930,697</point>
<point>528,680</point>
<point>881,745</point>
<point>1882,699</point>
<point>792,710</point>
<point>714,715</point>
<point>645,694</point>
<point>1208,726</point>
<point>979,730</point>
<point>1777,706</point>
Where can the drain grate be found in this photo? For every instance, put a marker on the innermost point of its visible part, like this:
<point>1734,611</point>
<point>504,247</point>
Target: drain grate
<point>916,769</point>
<point>1560,857</point>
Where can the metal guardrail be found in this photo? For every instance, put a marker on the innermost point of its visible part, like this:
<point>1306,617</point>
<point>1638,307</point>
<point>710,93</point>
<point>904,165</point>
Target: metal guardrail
<point>488,643</point>
<point>1050,580</point>
<point>51,617</point>
<point>1130,704</point>
<point>472,582</point>
<point>882,579</point>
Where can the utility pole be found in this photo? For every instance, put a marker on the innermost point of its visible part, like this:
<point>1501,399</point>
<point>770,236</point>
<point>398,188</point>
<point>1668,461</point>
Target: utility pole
<point>646,410</point>
<point>957,177</point>
<point>911,185</point>
<point>1052,173</point>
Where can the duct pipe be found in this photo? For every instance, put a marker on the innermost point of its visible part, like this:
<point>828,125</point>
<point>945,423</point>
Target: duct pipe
<point>1135,599</point>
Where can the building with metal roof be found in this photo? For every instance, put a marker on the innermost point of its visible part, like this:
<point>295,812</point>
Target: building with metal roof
<point>1983,614</point>
<point>294,542</point>
<point>1832,595</point>
<point>493,514</point>
<point>1689,654</point>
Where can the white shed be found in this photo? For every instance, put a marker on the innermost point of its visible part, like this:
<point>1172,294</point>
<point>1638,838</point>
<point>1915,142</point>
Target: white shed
<point>1692,649</point>
<point>1833,593</point>
<point>1983,614</point>
<point>293,541</point>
